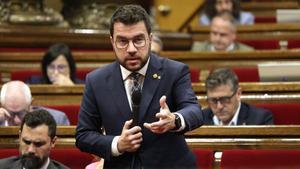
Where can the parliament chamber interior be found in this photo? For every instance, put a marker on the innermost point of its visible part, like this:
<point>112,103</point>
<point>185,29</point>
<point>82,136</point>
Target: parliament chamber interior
<point>269,75</point>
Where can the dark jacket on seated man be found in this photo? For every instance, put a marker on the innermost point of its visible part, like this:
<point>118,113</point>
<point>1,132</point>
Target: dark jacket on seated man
<point>248,115</point>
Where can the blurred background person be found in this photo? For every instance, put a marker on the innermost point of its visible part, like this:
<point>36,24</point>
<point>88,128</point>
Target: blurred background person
<point>16,101</point>
<point>58,67</point>
<point>222,36</point>
<point>224,102</point>
<point>37,138</point>
<point>156,44</point>
<point>214,7</point>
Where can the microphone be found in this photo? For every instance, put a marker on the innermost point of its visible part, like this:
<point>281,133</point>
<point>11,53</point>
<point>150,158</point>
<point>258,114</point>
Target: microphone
<point>136,99</point>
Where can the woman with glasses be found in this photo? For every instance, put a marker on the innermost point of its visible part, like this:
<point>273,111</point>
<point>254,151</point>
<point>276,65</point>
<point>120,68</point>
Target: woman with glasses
<point>224,102</point>
<point>58,67</point>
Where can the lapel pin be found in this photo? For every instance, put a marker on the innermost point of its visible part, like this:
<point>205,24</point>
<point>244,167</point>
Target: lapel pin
<point>156,76</point>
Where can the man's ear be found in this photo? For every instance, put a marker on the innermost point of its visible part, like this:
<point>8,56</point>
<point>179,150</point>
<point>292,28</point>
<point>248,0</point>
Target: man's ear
<point>53,142</point>
<point>112,40</point>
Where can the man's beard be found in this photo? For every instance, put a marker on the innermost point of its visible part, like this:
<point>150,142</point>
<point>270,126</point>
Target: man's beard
<point>31,161</point>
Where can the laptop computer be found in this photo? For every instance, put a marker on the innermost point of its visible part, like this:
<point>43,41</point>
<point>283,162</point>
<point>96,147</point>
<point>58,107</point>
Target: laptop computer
<point>284,71</point>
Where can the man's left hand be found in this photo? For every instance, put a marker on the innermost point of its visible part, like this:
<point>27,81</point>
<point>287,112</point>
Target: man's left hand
<point>166,120</point>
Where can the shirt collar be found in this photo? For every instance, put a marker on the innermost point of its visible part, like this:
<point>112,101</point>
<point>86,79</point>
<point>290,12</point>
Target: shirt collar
<point>229,48</point>
<point>233,121</point>
<point>125,73</point>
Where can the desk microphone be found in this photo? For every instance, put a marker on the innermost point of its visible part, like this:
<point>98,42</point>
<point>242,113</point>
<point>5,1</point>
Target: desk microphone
<point>136,99</point>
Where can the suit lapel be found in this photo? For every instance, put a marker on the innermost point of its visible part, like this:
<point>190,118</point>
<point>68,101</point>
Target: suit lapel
<point>243,114</point>
<point>153,77</point>
<point>118,92</point>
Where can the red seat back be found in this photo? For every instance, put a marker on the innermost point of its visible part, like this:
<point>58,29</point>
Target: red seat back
<point>247,74</point>
<point>23,75</point>
<point>205,158</point>
<point>71,157</point>
<point>265,19</point>
<point>293,44</point>
<point>262,44</point>
<point>260,159</point>
<point>194,72</point>
<point>285,113</point>
<point>71,111</point>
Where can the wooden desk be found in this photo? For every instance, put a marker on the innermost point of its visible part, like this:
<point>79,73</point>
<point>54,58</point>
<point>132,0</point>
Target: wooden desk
<point>206,137</point>
<point>268,31</point>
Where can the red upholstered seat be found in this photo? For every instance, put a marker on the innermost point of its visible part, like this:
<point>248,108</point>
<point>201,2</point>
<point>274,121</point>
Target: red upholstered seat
<point>262,44</point>
<point>23,75</point>
<point>260,159</point>
<point>247,74</point>
<point>71,157</point>
<point>71,111</point>
<point>205,158</point>
<point>293,44</point>
<point>194,72</point>
<point>265,19</point>
<point>285,113</point>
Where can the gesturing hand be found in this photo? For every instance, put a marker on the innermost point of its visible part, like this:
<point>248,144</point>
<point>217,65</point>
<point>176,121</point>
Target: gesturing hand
<point>130,139</point>
<point>166,120</point>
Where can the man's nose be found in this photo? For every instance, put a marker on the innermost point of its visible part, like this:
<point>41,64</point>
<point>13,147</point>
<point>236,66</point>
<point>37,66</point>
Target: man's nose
<point>31,149</point>
<point>219,105</point>
<point>131,47</point>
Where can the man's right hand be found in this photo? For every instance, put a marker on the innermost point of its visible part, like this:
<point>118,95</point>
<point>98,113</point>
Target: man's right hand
<point>4,114</point>
<point>130,139</point>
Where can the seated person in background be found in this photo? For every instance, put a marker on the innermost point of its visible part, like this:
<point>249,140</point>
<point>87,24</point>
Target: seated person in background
<point>58,67</point>
<point>16,101</point>
<point>222,36</point>
<point>224,101</point>
<point>156,44</point>
<point>37,138</point>
<point>214,7</point>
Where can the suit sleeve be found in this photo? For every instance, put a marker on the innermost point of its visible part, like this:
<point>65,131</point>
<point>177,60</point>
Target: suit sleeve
<point>186,100</point>
<point>89,137</point>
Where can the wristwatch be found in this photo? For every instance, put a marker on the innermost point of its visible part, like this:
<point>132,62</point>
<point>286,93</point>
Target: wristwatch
<point>177,122</point>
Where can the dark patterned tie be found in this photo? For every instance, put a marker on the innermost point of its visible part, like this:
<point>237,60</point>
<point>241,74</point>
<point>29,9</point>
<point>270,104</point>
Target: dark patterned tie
<point>136,94</point>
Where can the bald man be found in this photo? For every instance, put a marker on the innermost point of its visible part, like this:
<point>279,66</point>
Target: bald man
<point>16,101</point>
<point>222,36</point>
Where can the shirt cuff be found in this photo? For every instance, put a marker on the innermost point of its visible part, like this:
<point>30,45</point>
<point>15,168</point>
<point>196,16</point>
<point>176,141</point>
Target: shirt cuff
<point>182,122</point>
<point>114,147</point>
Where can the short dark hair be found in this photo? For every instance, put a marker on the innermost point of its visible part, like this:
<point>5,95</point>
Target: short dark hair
<point>40,117</point>
<point>211,11</point>
<point>52,53</point>
<point>222,76</point>
<point>128,15</point>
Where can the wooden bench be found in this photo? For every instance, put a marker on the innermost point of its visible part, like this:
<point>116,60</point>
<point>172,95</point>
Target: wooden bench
<point>213,138</point>
<point>204,61</point>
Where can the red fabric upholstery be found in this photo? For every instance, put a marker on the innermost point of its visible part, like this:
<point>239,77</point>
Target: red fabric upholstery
<point>23,75</point>
<point>194,72</point>
<point>71,157</point>
<point>284,114</point>
<point>262,44</point>
<point>293,44</point>
<point>265,19</point>
<point>260,159</point>
<point>205,158</point>
<point>247,74</point>
<point>71,111</point>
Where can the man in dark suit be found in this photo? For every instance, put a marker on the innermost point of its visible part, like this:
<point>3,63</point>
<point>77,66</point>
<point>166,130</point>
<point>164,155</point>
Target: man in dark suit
<point>37,138</point>
<point>167,106</point>
<point>224,101</point>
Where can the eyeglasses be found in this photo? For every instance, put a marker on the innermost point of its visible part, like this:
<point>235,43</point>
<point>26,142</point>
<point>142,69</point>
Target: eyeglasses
<point>222,100</point>
<point>138,42</point>
<point>20,114</point>
<point>60,68</point>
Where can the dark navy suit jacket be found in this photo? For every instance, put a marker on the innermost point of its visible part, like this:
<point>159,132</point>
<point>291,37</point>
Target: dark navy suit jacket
<point>15,163</point>
<point>105,104</point>
<point>248,115</point>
